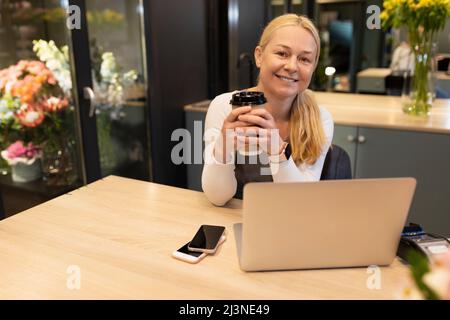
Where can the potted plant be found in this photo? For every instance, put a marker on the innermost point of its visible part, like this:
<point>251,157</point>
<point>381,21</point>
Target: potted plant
<point>423,19</point>
<point>24,160</point>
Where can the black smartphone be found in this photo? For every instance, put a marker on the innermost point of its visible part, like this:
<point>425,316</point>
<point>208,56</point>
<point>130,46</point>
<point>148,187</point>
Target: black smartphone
<point>190,256</point>
<point>206,239</point>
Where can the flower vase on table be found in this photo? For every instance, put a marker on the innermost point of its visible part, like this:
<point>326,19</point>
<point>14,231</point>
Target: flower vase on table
<point>58,164</point>
<point>419,92</point>
<point>25,161</point>
<point>423,19</point>
<point>26,172</point>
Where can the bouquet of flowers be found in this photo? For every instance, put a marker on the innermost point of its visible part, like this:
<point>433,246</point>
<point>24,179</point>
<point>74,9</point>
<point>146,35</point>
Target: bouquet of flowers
<point>109,81</point>
<point>423,19</point>
<point>34,101</point>
<point>35,97</point>
<point>110,87</point>
<point>30,102</point>
<point>104,19</point>
<point>428,15</point>
<point>26,12</point>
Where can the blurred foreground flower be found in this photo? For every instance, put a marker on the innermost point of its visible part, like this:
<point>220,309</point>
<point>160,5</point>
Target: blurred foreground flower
<point>429,280</point>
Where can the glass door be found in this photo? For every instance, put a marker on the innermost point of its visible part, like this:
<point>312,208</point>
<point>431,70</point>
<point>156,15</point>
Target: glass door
<point>118,91</point>
<point>277,8</point>
<point>39,141</point>
<point>340,24</point>
<point>73,104</point>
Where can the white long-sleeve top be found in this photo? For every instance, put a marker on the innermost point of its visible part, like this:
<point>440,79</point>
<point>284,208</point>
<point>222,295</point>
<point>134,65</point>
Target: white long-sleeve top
<point>218,179</point>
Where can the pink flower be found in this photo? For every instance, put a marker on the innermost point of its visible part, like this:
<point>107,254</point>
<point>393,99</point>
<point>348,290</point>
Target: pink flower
<point>51,79</point>
<point>22,65</point>
<point>19,152</point>
<point>25,79</point>
<point>36,67</point>
<point>17,149</point>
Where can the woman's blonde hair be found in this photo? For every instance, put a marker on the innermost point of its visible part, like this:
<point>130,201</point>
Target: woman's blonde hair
<point>306,135</point>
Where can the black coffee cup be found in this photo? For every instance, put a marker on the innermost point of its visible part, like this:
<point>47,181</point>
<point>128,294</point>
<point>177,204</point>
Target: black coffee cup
<point>255,99</point>
<point>248,98</point>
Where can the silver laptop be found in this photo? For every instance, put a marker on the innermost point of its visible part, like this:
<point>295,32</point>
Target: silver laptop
<point>325,224</point>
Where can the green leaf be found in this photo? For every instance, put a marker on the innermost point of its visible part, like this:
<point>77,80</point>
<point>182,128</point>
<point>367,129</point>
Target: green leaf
<point>419,266</point>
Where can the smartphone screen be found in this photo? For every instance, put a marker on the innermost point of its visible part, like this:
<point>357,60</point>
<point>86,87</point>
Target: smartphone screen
<point>207,237</point>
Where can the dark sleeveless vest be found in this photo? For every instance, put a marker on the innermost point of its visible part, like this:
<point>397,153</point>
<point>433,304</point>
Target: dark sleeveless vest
<point>252,169</point>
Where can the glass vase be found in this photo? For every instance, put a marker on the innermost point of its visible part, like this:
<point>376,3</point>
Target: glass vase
<point>58,166</point>
<point>419,88</point>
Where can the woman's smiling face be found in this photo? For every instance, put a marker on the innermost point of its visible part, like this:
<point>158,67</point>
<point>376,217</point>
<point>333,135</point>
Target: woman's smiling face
<point>287,62</point>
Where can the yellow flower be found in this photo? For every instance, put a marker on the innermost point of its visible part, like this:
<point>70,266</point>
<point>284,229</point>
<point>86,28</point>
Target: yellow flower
<point>388,6</point>
<point>384,15</point>
<point>415,12</point>
<point>424,3</point>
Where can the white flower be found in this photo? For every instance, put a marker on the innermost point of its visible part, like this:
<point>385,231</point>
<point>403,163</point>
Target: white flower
<point>129,77</point>
<point>3,105</point>
<point>5,113</point>
<point>31,116</point>
<point>53,64</point>
<point>108,68</point>
<point>6,116</point>
<point>110,90</point>
<point>8,87</point>
<point>438,280</point>
<point>57,61</point>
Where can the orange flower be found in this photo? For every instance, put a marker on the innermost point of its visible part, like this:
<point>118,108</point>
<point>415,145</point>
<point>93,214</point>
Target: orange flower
<point>25,79</point>
<point>30,115</point>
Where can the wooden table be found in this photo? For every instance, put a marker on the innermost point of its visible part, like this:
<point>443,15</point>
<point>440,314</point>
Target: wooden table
<point>119,234</point>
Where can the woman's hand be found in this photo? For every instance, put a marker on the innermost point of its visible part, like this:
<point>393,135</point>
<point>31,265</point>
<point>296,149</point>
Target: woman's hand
<point>228,142</point>
<point>262,131</point>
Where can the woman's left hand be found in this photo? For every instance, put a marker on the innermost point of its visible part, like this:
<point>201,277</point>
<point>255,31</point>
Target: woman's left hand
<point>265,132</point>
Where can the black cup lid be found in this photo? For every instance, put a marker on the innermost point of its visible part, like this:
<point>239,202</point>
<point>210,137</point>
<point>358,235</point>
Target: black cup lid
<point>248,98</point>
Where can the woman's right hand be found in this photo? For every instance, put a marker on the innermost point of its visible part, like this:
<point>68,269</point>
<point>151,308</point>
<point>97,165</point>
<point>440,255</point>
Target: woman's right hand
<point>227,144</point>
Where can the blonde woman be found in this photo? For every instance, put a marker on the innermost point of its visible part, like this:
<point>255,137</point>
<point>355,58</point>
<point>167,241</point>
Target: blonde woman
<point>300,131</point>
